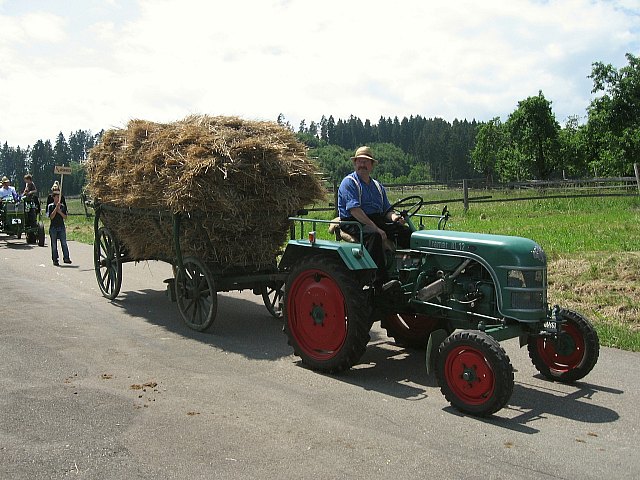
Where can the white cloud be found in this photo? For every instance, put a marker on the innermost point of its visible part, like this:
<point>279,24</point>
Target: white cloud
<point>101,65</point>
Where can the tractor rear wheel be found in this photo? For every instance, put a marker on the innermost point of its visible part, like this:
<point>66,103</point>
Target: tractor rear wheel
<point>410,329</point>
<point>196,294</point>
<point>327,315</point>
<point>474,372</point>
<point>571,355</point>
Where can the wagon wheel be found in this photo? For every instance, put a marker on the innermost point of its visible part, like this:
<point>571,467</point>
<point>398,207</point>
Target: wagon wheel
<point>272,297</point>
<point>327,316</point>
<point>572,355</point>
<point>106,262</point>
<point>410,329</point>
<point>196,294</point>
<point>474,372</point>
<point>40,234</point>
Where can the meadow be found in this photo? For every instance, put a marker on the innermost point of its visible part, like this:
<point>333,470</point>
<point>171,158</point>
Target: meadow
<point>593,247</point>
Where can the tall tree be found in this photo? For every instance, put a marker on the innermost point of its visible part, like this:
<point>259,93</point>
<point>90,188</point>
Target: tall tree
<point>491,140</point>
<point>534,129</point>
<point>614,116</point>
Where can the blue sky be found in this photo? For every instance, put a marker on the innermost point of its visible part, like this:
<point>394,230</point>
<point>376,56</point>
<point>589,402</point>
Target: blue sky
<point>91,64</point>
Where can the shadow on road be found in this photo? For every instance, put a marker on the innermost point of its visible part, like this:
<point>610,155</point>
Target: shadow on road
<point>401,373</point>
<point>241,326</point>
<point>18,244</point>
<point>246,328</point>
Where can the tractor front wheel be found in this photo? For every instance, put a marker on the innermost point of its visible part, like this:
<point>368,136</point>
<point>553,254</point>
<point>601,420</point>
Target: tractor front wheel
<point>474,373</point>
<point>571,355</point>
<point>327,315</point>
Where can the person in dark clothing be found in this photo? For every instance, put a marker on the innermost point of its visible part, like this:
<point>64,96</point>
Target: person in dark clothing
<point>30,194</point>
<point>57,212</point>
<point>56,188</point>
<point>362,198</point>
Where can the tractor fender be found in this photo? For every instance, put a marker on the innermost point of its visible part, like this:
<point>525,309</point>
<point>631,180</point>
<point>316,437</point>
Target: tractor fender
<point>353,255</point>
<point>435,339</point>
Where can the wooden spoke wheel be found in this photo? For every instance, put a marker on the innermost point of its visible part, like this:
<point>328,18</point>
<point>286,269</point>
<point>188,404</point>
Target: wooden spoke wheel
<point>196,294</point>
<point>107,262</point>
<point>273,296</point>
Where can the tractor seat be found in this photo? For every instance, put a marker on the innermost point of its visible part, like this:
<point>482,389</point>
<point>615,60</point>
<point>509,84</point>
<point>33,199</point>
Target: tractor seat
<point>334,229</point>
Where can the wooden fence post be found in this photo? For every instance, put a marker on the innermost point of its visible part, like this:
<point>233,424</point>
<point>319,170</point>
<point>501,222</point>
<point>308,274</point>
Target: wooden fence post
<point>335,198</point>
<point>636,167</point>
<point>465,194</point>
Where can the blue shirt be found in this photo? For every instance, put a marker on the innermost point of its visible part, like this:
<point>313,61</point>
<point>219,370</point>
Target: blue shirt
<point>9,193</point>
<point>354,193</point>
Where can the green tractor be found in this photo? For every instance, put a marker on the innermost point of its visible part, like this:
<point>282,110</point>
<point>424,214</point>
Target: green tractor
<point>457,294</point>
<point>21,217</point>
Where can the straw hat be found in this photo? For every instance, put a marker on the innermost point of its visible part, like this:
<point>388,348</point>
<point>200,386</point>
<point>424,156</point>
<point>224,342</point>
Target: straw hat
<point>5,179</point>
<point>364,152</point>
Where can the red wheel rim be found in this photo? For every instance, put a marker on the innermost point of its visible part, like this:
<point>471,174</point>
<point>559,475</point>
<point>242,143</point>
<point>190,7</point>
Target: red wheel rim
<point>469,375</point>
<point>317,314</point>
<point>569,352</point>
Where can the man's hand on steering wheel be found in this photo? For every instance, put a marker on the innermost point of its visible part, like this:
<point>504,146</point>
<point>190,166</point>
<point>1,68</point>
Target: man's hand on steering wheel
<point>414,203</point>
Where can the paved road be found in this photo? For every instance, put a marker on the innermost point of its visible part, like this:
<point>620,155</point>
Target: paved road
<point>122,390</point>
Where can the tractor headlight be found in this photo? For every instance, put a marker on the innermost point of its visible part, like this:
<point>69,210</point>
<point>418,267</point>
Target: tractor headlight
<point>538,254</point>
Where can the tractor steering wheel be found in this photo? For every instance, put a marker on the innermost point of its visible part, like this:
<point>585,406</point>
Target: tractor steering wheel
<point>415,203</point>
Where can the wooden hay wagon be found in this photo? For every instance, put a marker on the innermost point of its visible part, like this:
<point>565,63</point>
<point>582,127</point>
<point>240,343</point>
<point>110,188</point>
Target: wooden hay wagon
<point>196,281</point>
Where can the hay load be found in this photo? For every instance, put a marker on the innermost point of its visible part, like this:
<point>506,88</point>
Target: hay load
<point>235,182</point>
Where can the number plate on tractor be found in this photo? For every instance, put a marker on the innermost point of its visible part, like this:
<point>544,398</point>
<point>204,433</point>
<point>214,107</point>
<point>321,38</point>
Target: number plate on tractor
<point>551,326</point>
<point>16,221</point>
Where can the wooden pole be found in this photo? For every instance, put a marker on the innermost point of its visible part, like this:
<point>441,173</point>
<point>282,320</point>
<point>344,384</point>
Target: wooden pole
<point>465,194</point>
<point>636,167</point>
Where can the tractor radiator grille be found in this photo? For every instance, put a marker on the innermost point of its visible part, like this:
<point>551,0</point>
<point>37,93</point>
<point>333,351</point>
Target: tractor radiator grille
<point>527,300</point>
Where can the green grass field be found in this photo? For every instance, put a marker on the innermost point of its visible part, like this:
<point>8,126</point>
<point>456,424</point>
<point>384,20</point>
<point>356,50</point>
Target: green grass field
<point>593,246</point>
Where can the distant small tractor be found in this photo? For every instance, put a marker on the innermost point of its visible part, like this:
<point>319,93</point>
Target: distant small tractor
<point>457,294</point>
<point>21,217</point>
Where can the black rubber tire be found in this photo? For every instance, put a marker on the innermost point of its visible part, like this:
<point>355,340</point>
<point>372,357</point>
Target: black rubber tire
<point>474,373</point>
<point>196,294</point>
<point>40,234</point>
<point>31,238</point>
<point>580,342</point>
<point>327,314</point>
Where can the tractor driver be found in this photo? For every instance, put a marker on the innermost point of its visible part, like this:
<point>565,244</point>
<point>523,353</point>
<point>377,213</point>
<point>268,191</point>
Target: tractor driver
<point>363,199</point>
<point>7,192</point>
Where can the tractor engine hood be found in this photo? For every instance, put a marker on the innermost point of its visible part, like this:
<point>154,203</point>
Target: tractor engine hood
<point>518,266</point>
<point>494,249</point>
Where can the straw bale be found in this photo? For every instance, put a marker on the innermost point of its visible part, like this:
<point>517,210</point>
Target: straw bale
<point>235,182</point>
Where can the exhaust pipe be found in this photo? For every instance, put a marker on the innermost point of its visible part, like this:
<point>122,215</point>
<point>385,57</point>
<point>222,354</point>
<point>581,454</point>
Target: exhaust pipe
<point>438,287</point>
